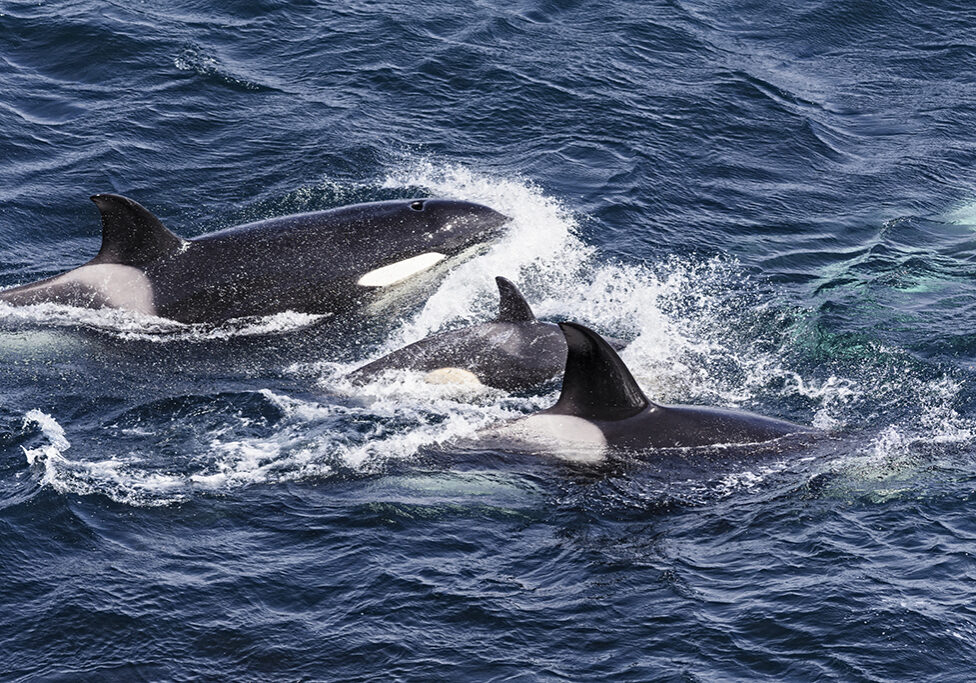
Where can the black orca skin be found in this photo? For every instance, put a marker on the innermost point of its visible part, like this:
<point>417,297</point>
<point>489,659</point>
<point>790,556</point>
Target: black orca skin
<point>514,352</point>
<point>325,262</point>
<point>601,408</point>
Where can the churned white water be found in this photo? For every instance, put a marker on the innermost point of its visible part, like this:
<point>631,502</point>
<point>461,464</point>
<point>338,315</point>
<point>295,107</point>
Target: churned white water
<point>684,320</point>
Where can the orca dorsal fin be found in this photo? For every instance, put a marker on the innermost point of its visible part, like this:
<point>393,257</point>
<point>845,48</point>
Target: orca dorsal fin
<point>596,385</point>
<point>131,235</point>
<point>512,306</point>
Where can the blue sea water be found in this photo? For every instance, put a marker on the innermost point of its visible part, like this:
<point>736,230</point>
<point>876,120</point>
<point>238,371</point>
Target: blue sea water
<point>775,203</point>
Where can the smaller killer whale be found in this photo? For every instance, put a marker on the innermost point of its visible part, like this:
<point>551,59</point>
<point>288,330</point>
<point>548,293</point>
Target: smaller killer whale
<point>513,352</point>
<point>325,262</point>
<point>602,408</point>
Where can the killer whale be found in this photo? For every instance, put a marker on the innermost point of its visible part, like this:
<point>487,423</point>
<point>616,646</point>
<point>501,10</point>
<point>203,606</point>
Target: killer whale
<point>328,262</point>
<point>601,408</point>
<point>514,352</point>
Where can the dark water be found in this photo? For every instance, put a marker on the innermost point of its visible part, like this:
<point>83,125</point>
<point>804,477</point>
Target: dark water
<point>776,204</point>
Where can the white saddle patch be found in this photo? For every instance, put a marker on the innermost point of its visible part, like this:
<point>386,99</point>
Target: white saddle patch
<point>563,436</point>
<point>401,270</point>
<point>452,376</point>
<point>118,286</point>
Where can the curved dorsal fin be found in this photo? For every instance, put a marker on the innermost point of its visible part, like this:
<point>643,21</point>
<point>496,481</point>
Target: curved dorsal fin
<point>512,306</point>
<point>597,385</point>
<point>131,235</point>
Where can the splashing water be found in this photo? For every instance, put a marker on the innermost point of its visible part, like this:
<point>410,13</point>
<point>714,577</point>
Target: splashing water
<point>130,326</point>
<point>692,326</point>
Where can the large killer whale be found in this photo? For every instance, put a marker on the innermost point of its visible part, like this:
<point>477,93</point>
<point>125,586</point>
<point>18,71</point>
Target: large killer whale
<point>324,262</point>
<point>602,408</point>
<point>514,352</point>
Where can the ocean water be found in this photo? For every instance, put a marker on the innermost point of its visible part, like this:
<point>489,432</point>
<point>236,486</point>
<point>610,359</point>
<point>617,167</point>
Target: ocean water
<point>775,203</point>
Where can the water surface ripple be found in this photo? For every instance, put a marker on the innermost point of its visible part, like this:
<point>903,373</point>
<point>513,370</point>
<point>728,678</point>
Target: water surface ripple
<point>775,204</point>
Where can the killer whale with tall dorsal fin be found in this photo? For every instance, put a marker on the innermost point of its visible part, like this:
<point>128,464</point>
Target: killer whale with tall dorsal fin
<point>602,408</point>
<point>324,262</point>
<point>514,352</point>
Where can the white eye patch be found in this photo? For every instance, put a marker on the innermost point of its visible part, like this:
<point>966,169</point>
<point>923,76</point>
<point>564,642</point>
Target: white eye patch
<point>400,271</point>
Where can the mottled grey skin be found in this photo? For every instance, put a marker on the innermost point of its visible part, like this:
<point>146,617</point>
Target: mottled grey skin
<point>601,407</point>
<point>309,263</point>
<point>514,352</point>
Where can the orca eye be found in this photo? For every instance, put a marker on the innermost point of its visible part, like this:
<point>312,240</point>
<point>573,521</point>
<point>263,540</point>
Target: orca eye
<point>417,205</point>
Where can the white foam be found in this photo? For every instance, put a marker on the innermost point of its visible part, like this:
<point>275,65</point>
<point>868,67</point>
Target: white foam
<point>684,318</point>
<point>744,480</point>
<point>131,326</point>
<point>312,439</point>
<point>679,314</point>
<point>963,213</point>
<point>540,243</point>
<point>896,461</point>
<point>220,465</point>
<point>51,455</point>
<point>112,477</point>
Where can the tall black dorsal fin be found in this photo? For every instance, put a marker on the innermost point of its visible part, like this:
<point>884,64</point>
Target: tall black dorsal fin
<point>131,235</point>
<point>597,385</point>
<point>512,306</point>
